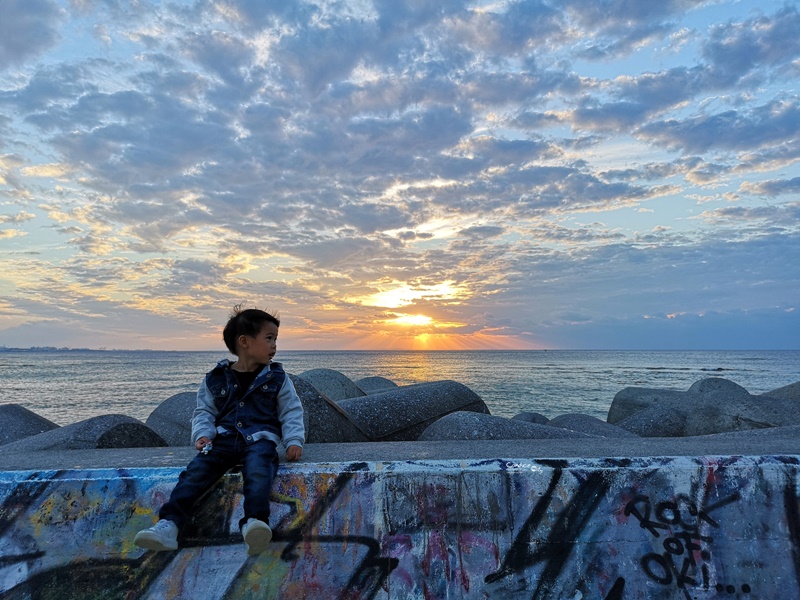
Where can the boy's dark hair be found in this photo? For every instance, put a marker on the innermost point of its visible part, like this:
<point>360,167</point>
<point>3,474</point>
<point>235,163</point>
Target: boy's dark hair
<point>248,321</point>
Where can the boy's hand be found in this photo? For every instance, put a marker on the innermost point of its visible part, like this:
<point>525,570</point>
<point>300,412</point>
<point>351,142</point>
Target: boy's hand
<point>294,453</point>
<point>202,443</point>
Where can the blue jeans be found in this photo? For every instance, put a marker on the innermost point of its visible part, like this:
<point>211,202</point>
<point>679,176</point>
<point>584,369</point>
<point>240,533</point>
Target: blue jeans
<point>259,462</point>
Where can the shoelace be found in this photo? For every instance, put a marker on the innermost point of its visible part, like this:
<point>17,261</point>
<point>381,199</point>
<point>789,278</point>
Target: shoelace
<point>162,526</point>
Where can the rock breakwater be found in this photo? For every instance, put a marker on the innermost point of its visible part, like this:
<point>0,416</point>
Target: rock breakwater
<point>375,409</point>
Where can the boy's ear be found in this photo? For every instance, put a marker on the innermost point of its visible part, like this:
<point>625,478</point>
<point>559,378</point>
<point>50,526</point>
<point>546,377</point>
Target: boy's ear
<point>242,341</point>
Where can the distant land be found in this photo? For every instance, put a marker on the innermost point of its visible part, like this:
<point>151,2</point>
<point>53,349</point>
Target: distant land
<point>62,349</point>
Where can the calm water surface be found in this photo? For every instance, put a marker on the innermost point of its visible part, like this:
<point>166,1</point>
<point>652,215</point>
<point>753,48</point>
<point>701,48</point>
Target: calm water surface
<point>69,386</point>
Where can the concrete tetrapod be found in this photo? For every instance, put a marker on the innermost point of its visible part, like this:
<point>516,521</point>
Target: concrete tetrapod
<point>631,400</point>
<point>172,419</point>
<point>325,420</point>
<point>335,385</point>
<point>106,431</point>
<point>787,392</point>
<point>370,385</point>
<point>710,413</point>
<point>402,413</point>
<point>588,424</point>
<point>19,423</point>
<point>464,425</point>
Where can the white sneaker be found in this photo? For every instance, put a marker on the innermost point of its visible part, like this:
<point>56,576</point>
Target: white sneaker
<point>161,536</point>
<point>257,535</point>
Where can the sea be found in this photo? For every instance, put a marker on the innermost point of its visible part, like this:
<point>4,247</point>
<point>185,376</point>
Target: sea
<point>68,386</point>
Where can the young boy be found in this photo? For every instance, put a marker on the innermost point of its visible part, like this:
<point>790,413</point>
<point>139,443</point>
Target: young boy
<point>245,408</point>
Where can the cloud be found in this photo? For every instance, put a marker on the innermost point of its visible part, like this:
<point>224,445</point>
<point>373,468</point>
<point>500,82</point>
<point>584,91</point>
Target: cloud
<point>568,166</point>
<point>43,94</point>
<point>773,187</point>
<point>482,231</point>
<point>20,217</point>
<point>28,28</point>
<point>513,31</point>
<point>221,54</point>
<point>12,233</point>
<point>652,92</point>
<point>50,170</point>
<point>772,123</point>
<point>317,57</point>
<point>336,254</point>
<point>735,49</point>
<point>778,216</point>
<point>617,27</point>
<point>369,217</point>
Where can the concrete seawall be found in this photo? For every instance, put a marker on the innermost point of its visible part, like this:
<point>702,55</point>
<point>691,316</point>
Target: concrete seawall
<point>699,518</point>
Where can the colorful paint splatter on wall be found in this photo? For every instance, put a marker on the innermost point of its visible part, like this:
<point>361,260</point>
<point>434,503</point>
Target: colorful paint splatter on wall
<point>682,528</point>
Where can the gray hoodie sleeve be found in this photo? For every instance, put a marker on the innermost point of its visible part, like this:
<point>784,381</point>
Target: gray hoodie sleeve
<point>290,414</point>
<point>204,415</point>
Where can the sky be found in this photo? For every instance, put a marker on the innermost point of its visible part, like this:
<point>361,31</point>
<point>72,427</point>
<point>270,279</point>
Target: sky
<point>575,174</point>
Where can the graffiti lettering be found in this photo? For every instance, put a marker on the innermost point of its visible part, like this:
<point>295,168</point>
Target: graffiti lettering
<point>686,550</point>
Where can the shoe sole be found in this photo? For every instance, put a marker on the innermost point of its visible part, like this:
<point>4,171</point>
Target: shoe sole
<point>149,542</point>
<point>257,540</point>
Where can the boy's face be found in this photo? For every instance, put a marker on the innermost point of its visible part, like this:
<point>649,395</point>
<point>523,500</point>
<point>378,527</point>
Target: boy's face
<point>261,347</point>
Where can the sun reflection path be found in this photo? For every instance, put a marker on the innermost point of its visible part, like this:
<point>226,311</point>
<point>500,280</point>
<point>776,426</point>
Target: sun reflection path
<point>412,340</point>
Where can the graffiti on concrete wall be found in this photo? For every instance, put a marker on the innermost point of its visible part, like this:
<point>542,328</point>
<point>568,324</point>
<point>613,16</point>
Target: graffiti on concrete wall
<point>612,529</point>
<point>679,525</point>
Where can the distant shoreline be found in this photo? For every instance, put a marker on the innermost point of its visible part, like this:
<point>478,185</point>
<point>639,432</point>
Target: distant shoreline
<point>53,349</point>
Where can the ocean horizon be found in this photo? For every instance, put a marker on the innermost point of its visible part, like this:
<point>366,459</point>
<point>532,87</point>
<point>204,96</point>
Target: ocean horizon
<point>70,385</point>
